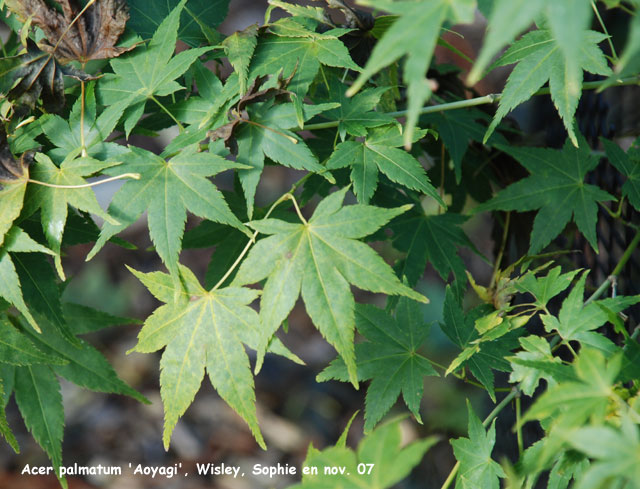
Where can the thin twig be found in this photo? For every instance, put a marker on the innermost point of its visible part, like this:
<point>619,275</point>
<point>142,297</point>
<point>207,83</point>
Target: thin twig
<point>135,176</point>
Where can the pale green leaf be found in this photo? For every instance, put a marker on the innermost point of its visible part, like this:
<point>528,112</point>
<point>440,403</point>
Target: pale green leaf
<point>477,469</point>
<point>148,71</point>
<point>380,457</point>
<point>167,189</point>
<point>413,34</point>
<point>541,58</point>
<point>319,259</point>
<point>205,331</point>
<point>374,154</point>
<point>508,19</point>
<point>53,201</point>
<point>239,48</point>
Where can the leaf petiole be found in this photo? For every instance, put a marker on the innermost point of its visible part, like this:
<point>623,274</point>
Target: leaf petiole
<point>135,176</point>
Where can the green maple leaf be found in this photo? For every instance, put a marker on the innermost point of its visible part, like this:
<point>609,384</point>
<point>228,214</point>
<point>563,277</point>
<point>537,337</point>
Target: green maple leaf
<point>457,128</point>
<point>45,420</point>
<point>54,201</point>
<point>71,137</point>
<point>629,165</point>
<point>379,457</point>
<point>319,259</point>
<point>575,318</point>
<point>431,239</point>
<point>556,187</point>
<point>543,289</point>
<point>615,452</point>
<point>197,22</point>
<point>268,135</point>
<point>573,402</point>
<point>414,34</point>
<point>540,57</point>
<point>5,430</point>
<point>167,189</point>
<point>477,469</point>
<point>14,175</point>
<point>148,71</point>
<point>239,48</point>
<point>355,114</point>
<point>294,46</point>
<point>17,349</point>
<point>380,152</point>
<point>80,363</point>
<point>536,349</point>
<point>480,357</point>
<point>390,359</point>
<point>202,329</point>
<point>16,241</point>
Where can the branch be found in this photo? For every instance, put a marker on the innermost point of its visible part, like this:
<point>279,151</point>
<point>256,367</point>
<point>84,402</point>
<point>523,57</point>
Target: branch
<point>486,99</point>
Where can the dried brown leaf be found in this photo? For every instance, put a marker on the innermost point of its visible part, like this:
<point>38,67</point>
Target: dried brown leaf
<point>93,35</point>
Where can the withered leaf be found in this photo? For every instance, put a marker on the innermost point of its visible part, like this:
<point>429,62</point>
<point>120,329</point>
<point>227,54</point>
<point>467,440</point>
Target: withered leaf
<point>40,76</point>
<point>10,168</point>
<point>92,36</point>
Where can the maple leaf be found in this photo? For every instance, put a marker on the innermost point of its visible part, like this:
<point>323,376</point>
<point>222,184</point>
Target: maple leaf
<point>17,349</point>
<point>40,75</point>
<point>380,152</point>
<point>414,33</point>
<point>629,165</point>
<point>543,289</point>
<point>197,22</point>
<point>319,259</point>
<point>457,128</point>
<point>614,450</point>
<point>202,330</point>
<point>573,402</point>
<point>536,349</point>
<point>267,134</point>
<point>556,187</point>
<point>294,46</point>
<point>45,420</point>
<point>385,461</point>
<point>356,114</point>
<point>149,71</point>
<point>77,34</point>
<point>71,137</point>
<point>576,319</point>
<point>5,430</point>
<point>167,189</point>
<point>239,48</point>
<point>16,241</point>
<point>13,184</point>
<point>390,359</point>
<point>431,239</point>
<point>481,357</point>
<point>540,59</point>
<point>53,201</point>
<point>477,469</point>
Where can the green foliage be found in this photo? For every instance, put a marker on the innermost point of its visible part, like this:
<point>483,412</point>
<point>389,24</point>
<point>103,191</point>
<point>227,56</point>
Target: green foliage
<point>556,187</point>
<point>390,359</point>
<point>385,192</point>
<point>477,469</point>
<point>379,462</point>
